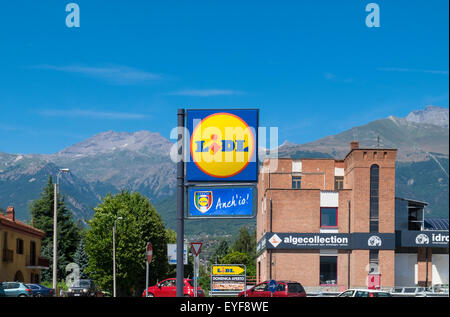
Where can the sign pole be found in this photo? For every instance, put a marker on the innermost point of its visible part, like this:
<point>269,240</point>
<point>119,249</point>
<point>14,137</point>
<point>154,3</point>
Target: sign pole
<point>196,247</point>
<point>180,204</point>
<point>149,255</point>
<point>146,281</point>
<point>196,279</point>
<point>195,275</point>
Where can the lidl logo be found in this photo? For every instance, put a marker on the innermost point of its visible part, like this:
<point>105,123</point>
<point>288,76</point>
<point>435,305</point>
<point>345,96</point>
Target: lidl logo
<point>227,270</point>
<point>203,200</point>
<point>223,144</point>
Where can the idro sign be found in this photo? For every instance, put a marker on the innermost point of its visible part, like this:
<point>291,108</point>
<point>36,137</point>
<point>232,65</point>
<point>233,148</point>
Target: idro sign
<point>223,145</point>
<point>431,239</point>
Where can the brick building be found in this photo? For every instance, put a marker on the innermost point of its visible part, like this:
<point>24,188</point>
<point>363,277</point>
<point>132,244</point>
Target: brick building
<point>332,223</point>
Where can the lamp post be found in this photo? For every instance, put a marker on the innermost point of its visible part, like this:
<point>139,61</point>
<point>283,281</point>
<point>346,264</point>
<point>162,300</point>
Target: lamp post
<point>114,255</point>
<point>55,229</point>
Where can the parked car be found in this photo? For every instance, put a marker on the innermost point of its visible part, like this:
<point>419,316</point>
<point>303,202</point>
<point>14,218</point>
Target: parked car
<point>284,289</point>
<point>437,290</point>
<point>412,291</point>
<point>364,293</point>
<point>168,288</point>
<point>40,290</point>
<point>15,289</point>
<point>83,288</point>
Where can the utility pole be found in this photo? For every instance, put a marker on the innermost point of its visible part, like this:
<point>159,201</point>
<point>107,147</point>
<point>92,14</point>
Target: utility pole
<point>114,255</point>
<point>180,204</point>
<point>55,229</point>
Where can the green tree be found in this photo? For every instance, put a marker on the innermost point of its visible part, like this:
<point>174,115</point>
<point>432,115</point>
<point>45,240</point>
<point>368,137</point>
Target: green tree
<point>236,257</point>
<point>245,242</point>
<point>68,233</point>
<point>220,252</point>
<point>140,224</point>
<point>81,258</point>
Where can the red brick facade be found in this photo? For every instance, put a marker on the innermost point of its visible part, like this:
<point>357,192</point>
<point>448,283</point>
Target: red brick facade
<point>285,209</point>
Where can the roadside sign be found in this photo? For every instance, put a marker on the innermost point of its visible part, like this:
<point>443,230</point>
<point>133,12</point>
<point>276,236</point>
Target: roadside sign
<point>215,201</point>
<point>172,254</point>
<point>196,247</point>
<point>149,252</point>
<point>229,279</point>
<point>223,145</point>
<point>272,286</point>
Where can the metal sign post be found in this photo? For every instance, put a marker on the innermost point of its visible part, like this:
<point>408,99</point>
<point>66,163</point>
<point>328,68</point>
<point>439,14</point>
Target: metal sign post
<point>180,204</point>
<point>226,155</point>
<point>196,247</point>
<point>149,254</point>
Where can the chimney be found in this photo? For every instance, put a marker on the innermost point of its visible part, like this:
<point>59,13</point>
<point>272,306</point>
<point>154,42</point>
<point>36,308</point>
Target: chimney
<point>10,214</point>
<point>354,145</point>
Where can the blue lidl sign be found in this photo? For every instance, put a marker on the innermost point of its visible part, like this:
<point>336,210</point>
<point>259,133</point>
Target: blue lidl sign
<point>236,201</point>
<point>222,145</point>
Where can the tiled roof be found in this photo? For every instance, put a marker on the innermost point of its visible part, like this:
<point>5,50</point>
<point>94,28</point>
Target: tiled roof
<point>20,226</point>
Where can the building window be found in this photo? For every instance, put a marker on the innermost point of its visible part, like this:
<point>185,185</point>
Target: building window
<point>373,261</point>
<point>296,182</point>
<point>19,246</point>
<point>32,253</point>
<point>338,182</point>
<point>328,217</point>
<point>374,197</point>
<point>328,270</point>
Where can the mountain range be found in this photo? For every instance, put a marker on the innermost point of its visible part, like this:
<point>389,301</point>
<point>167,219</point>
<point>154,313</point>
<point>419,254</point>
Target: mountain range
<point>140,161</point>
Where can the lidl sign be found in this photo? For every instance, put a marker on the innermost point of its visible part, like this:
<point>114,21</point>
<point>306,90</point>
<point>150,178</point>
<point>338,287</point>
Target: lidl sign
<point>221,201</point>
<point>228,270</point>
<point>223,146</point>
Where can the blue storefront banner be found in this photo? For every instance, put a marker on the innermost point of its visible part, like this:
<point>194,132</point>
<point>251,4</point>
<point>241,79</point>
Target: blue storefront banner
<point>221,201</point>
<point>222,145</point>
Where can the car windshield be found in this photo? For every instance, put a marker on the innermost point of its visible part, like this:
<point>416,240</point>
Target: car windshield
<point>81,283</point>
<point>191,282</point>
<point>32,286</point>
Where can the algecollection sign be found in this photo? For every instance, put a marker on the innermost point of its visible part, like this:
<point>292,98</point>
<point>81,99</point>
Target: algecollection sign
<point>363,241</point>
<point>231,201</point>
<point>223,145</point>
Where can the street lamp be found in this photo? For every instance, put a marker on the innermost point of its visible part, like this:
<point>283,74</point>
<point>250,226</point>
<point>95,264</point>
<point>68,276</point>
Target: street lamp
<point>55,228</point>
<point>114,255</point>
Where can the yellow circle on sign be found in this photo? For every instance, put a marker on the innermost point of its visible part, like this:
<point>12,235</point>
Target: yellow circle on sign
<point>222,145</point>
<point>203,201</point>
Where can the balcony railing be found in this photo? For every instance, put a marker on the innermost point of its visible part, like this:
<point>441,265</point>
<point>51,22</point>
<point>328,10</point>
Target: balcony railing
<point>8,256</point>
<point>38,262</point>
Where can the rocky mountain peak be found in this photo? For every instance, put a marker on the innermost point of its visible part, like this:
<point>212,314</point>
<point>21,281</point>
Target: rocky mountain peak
<point>110,141</point>
<point>431,115</point>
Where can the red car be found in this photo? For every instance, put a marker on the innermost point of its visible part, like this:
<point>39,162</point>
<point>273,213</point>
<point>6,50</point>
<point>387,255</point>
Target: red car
<point>168,288</point>
<point>284,289</point>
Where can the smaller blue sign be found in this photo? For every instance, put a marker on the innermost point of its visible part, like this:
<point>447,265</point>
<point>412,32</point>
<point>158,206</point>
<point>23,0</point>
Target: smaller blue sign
<point>221,201</point>
<point>272,286</point>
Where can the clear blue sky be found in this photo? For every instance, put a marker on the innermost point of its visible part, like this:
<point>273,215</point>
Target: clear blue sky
<point>313,67</point>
